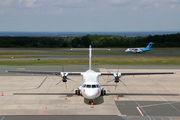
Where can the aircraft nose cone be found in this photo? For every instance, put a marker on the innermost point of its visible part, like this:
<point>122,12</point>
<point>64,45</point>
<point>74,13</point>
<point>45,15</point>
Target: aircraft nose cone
<point>91,93</point>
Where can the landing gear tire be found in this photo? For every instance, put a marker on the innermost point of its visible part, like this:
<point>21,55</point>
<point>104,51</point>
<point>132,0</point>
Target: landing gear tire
<point>77,92</point>
<point>103,92</point>
<point>90,101</point>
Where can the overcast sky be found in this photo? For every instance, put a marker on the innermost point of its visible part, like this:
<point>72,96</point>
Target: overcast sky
<point>89,15</point>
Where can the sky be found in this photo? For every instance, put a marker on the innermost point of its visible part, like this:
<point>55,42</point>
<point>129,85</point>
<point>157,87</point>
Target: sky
<point>89,15</point>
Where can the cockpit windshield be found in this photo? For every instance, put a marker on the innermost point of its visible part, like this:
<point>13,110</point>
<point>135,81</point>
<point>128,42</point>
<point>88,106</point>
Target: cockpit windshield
<point>93,86</point>
<point>90,86</point>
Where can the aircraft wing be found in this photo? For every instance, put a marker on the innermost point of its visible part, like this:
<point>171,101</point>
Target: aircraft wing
<point>42,72</point>
<point>145,73</point>
<point>79,73</point>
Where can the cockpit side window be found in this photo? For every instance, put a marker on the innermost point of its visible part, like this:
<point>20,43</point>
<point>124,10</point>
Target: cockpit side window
<point>97,86</point>
<point>84,86</point>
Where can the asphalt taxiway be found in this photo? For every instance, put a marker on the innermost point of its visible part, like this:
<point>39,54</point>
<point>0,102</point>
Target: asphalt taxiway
<point>140,97</point>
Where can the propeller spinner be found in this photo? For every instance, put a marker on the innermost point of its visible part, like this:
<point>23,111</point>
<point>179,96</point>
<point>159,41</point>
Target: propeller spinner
<point>64,76</point>
<point>116,77</point>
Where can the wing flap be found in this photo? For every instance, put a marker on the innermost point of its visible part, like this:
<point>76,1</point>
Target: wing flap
<point>42,72</point>
<point>148,73</point>
<point>34,72</point>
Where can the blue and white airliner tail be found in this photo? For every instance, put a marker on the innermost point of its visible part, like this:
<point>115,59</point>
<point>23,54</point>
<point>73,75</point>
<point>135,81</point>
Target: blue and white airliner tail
<point>138,50</point>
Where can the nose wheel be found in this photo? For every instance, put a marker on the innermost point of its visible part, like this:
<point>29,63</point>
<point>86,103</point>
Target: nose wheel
<point>90,101</point>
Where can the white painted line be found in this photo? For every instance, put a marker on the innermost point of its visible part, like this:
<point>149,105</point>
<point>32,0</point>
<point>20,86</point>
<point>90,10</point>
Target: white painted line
<point>136,102</point>
<point>162,98</point>
<point>139,111</point>
<point>157,104</point>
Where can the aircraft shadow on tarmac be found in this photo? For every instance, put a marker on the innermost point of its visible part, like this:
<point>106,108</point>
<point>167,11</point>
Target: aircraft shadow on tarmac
<point>100,99</point>
<point>148,94</point>
<point>68,94</point>
<point>97,101</point>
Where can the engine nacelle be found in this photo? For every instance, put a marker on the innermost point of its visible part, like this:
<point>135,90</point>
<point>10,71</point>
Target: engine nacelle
<point>116,77</point>
<point>103,92</point>
<point>64,80</point>
<point>64,77</point>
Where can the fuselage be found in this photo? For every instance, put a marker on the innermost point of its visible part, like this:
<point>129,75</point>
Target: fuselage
<point>90,88</point>
<point>135,50</point>
<point>138,50</point>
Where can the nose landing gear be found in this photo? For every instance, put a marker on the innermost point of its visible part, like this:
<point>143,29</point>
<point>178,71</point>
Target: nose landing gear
<point>90,101</point>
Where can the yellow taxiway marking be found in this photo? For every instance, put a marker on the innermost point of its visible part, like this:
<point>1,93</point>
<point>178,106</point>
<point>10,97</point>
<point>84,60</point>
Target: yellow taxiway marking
<point>121,104</point>
<point>20,68</point>
<point>100,68</point>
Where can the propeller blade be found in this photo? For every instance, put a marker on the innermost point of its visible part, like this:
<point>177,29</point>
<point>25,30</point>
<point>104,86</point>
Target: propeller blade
<point>115,86</point>
<point>110,81</point>
<point>42,82</point>
<point>58,82</point>
<point>71,80</point>
<point>118,69</point>
<point>58,76</point>
<point>63,68</point>
<point>123,83</point>
<point>108,77</point>
<point>66,85</point>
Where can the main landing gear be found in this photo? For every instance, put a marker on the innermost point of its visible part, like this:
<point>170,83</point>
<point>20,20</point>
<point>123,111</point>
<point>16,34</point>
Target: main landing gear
<point>77,92</point>
<point>103,92</point>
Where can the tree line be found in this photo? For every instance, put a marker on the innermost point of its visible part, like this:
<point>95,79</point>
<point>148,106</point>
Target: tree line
<point>98,41</point>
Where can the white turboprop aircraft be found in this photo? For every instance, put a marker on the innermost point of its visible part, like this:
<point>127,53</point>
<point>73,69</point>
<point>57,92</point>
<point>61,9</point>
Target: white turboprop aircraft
<point>138,50</point>
<point>90,87</point>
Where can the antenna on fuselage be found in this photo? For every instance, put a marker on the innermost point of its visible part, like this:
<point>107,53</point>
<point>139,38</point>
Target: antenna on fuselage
<point>90,54</point>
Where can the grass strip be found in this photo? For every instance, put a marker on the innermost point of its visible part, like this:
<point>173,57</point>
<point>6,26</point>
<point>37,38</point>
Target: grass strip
<point>57,53</point>
<point>99,61</point>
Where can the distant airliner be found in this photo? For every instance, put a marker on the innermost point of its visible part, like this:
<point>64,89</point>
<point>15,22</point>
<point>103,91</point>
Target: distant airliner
<point>138,50</point>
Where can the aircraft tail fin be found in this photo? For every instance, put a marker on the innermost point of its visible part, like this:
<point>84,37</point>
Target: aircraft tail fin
<point>149,45</point>
<point>90,54</point>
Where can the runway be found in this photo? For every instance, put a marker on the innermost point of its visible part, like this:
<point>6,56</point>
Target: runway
<point>45,57</point>
<point>142,97</point>
<point>161,53</point>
